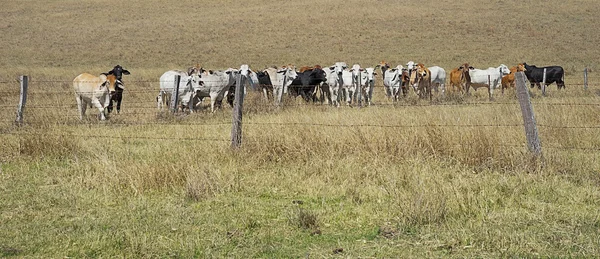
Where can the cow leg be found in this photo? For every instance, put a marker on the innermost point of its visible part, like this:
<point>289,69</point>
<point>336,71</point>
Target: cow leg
<point>81,106</point>
<point>119,98</point>
<point>109,107</point>
<point>100,108</point>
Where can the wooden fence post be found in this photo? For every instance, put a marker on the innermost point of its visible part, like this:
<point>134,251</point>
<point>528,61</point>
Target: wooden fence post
<point>359,89</point>
<point>23,99</point>
<point>175,94</point>
<point>544,83</point>
<point>531,133</point>
<point>585,79</point>
<point>236,129</point>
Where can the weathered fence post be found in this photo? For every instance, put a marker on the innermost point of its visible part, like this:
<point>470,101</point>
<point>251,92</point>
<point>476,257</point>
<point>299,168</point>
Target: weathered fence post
<point>585,79</point>
<point>491,87</point>
<point>236,129</point>
<point>280,93</point>
<point>544,83</point>
<point>22,100</point>
<point>359,88</point>
<point>531,133</point>
<point>175,94</point>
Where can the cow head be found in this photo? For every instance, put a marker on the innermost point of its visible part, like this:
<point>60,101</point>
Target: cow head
<point>338,67</point>
<point>503,69</point>
<point>370,73</point>
<point>521,68</point>
<point>118,71</point>
<point>109,82</point>
<point>422,71</point>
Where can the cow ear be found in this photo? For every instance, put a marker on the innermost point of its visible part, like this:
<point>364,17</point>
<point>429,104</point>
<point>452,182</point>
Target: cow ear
<point>470,67</point>
<point>374,73</point>
<point>126,72</point>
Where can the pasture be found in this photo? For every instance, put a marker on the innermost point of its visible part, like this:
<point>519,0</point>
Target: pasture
<point>413,179</point>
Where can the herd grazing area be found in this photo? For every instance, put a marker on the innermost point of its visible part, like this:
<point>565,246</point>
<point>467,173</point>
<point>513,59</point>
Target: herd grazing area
<point>415,179</point>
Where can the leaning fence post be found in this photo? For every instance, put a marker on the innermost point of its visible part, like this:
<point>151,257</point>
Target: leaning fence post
<point>22,100</point>
<point>175,94</point>
<point>585,79</point>
<point>531,133</point>
<point>544,83</point>
<point>236,129</point>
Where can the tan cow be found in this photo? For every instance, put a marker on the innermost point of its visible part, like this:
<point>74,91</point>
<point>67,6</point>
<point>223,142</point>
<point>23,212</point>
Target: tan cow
<point>509,80</point>
<point>424,81</point>
<point>93,90</point>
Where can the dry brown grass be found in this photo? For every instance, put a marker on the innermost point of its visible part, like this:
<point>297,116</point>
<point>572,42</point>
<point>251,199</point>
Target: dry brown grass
<point>411,179</point>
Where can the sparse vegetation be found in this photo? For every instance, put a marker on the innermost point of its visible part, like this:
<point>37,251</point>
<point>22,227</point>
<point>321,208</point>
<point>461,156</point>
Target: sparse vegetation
<point>451,178</point>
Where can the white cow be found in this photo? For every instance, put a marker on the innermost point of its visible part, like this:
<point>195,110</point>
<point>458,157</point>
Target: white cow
<point>489,78</point>
<point>93,90</point>
<point>187,82</point>
<point>334,84</point>
<point>367,84</point>
<point>214,84</point>
<point>281,79</point>
<point>438,78</point>
<point>392,80</point>
<point>411,68</point>
<point>251,79</point>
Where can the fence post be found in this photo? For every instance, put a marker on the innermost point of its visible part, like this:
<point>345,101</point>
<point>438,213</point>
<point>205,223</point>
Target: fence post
<point>175,94</point>
<point>531,133</point>
<point>236,129</point>
<point>22,100</point>
<point>544,83</point>
<point>359,89</point>
<point>585,79</point>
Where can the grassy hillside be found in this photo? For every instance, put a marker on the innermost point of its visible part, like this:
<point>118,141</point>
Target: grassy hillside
<point>415,179</point>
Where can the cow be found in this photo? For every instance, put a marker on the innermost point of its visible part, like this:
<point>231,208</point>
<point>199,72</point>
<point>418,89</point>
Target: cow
<point>423,75</point>
<point>369,84</point>
<point>395,80</point>
<point>457,79</point>
<point>307,80</point>
<point>187,83</point>
<point>333,86</point>
<point>489,78</point>
<point>264,84</point>
<point>352,81</point>
<point>93,91</point>
<point>438,78</point>
<point>509,80</point>
<point>535,75</point>
<point>117,96</point>
<point>251,79</point>
<point>411,68</point>
<point>214,84</point>
<point>281,79</point>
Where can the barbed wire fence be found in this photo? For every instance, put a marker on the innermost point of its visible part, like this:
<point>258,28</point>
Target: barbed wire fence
<point>61,102</point>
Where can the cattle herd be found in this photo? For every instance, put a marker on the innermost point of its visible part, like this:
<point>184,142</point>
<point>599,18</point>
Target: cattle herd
<point>332,85</point>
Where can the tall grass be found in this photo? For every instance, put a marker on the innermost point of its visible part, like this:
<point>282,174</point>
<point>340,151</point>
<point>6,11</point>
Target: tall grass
<point>450,178</point>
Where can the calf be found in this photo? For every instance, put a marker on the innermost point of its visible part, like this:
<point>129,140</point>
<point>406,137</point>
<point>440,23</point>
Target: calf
<point>117,96</point>
<point>93,90</point>
<point>509,80</point>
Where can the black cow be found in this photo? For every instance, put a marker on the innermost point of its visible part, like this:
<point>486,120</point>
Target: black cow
<point>117,96</point>
<point>306,82</point>
<point>264,84</point>
<point>535,75</point>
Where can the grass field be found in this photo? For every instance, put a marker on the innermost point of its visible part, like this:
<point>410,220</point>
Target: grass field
<point>452,178</point>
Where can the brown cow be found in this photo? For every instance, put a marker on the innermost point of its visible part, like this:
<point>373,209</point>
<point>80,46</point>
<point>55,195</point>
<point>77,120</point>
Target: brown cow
<point>509,80</point>
<point>424,81</point>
